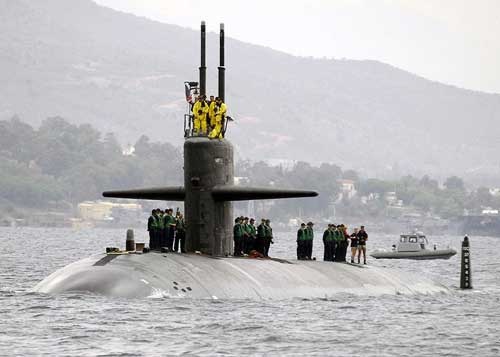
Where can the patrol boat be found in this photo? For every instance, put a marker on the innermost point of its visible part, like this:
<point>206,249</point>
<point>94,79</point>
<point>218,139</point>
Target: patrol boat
<point>414,246</point>
<point>208,269</point>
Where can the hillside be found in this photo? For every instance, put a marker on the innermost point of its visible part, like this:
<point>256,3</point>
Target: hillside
<point>125,74</point>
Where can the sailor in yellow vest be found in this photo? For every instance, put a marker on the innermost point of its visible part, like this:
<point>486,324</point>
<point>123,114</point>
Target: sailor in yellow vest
<point>211,112</point>
<point>200,111</point>
<point>220,113</point>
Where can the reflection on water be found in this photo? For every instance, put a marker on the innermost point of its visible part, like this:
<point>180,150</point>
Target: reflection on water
<point>461,323</point>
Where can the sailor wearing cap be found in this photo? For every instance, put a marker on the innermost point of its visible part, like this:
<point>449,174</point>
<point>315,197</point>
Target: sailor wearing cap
<point>301,238</point>
<point>309,240</point>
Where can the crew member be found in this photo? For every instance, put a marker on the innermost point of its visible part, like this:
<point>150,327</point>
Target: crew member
<point>151,228</point>
<point>155,227</point>
<point>200,111</point>
<point>301,238</point>
<point>246,235</point>
<point>211,112</point>
<point>238,237</point>
<point>362,238</point>
<point>345,242</point>
<point>169,223</point>
<point>180,233</point>
<point>161,230</point>
<point>309,240</point>
<point>268,239</point>
<point>329,243</point>
<point>261,236</point>
<point>354,244</point>
<point>220,113</point>
<point>339,237</point>
<point>252,235</point>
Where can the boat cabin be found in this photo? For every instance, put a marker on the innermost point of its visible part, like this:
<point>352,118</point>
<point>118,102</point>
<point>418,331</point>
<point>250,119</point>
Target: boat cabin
<point>412,242</point>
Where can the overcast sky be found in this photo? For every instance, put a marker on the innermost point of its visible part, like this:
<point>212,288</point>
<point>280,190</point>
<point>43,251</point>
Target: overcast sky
<point>451,41</point>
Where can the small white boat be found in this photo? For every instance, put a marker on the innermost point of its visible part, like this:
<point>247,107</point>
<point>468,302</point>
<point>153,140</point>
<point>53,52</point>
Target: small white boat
<point>414,246</point>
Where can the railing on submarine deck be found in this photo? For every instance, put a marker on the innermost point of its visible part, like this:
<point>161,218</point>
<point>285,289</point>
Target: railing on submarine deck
<point>189,127</point>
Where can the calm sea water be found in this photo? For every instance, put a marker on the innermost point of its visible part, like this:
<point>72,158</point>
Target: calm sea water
<point>461,323</point>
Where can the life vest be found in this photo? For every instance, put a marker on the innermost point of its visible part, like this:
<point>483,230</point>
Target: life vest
<point>238,230</point>
<point>200,106</point>
<point>252,230</point>
<point>301,234</point>
<point>180,225</point>
<point>309,233</point>
<point>269,231</point>
<point>339,236</point>
<point>329,235</point>
<point>261,230</point>
<point>155,222</point>
<point>161,222</point>
<point>168,220</point>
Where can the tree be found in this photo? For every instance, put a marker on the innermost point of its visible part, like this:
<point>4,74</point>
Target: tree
<point>375,186</point>
<point>350,175</point>
<point>18,139</point>
<point>454,183</point>
<point>427,183</point>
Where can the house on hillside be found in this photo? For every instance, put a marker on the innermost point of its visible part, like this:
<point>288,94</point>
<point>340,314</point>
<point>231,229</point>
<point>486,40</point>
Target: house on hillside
<point>106,212</point>
<point>347,189</point>
<point>495,192</point>
<point>488,211</point>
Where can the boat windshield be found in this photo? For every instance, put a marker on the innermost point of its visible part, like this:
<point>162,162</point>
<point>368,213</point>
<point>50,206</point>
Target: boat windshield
<point>421,239</point>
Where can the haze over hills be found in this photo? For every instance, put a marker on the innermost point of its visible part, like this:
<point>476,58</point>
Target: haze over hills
<point>125,74</point>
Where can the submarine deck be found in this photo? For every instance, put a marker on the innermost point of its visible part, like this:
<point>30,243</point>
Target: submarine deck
<point>198,276</point>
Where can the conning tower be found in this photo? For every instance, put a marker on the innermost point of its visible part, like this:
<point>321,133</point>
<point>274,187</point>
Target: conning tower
<point>209,181</point>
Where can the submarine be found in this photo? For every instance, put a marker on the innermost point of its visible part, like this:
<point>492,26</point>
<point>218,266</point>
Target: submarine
<point>208,270</point>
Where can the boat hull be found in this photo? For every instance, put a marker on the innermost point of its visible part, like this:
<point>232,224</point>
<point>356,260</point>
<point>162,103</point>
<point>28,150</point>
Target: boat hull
<point>421,255</point>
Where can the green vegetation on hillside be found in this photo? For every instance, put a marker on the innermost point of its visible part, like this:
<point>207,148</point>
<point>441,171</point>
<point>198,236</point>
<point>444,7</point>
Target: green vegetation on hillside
<point>60,164</point>
<point>125,74</point>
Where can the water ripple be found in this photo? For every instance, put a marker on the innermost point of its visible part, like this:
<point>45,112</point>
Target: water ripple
<point>461,323</point>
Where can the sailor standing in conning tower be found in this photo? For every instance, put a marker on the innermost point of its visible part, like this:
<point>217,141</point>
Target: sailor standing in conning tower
<point>220,114</point>
<point>200,112</point>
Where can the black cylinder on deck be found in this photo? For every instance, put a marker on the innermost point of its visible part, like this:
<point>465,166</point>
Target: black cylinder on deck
<point>465,270</point>
<point>130,242</point>
<point>222,69</point>
<point>207,163</point>
<point>203,68</point>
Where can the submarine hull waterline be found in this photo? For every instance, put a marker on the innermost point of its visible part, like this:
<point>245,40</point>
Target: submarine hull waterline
<point>197,276</point>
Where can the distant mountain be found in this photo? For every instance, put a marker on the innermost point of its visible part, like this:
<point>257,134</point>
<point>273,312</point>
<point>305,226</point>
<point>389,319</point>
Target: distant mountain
<point>125,74</point>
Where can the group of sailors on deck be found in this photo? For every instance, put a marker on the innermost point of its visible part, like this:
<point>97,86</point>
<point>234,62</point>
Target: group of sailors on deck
<point>169,231</point>
<point>335,241</point>
<point>250,240</point>
<point>166,230</point>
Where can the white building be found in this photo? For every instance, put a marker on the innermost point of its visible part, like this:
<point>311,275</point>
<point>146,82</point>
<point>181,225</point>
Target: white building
<point>102,210</point>
<point>495,192</point>
<point>347,189</point>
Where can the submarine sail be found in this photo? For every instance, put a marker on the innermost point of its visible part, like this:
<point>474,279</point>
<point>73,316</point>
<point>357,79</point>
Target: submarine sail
<point>209,181</point>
